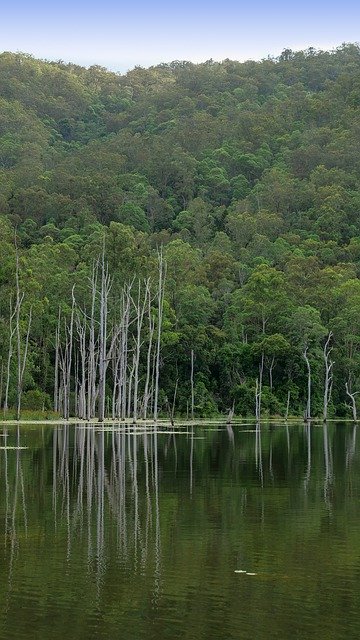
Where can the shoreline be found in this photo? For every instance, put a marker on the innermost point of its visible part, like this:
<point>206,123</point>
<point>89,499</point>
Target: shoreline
<point>177,423</point>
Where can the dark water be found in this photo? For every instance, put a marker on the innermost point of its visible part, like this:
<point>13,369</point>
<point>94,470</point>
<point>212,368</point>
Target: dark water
<point>123,534</point>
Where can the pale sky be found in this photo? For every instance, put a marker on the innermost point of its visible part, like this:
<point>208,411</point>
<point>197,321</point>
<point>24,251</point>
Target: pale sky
<point>120,35</point>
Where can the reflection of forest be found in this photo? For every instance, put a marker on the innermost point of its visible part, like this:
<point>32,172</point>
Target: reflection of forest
<point>101,470</point>
<point>88,505</point>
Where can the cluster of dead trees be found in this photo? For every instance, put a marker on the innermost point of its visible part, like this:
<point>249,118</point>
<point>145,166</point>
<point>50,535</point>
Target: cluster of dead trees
<point>327,390</point>
<point>18,343</point>
<point>112,367</point>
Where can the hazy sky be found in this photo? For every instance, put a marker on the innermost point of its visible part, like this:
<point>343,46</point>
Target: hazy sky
<point>120,34</point>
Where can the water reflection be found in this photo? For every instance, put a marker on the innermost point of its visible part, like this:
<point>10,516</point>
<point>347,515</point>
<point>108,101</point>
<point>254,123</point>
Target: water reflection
<point>149,508</point>
<point>109,479</point>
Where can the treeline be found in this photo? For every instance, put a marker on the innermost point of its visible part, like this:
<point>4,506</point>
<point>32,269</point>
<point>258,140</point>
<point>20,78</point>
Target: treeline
<point>245,177</point>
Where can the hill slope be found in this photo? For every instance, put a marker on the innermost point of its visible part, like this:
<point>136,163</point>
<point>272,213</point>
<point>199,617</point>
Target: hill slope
<point>248,175</point>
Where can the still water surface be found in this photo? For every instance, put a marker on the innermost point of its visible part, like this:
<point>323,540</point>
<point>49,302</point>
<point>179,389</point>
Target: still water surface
<point>205,533</point>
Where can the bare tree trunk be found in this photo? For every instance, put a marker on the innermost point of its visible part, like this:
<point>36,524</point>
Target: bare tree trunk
<point>192,385</point>
<point>258,389</point>
<point>257,400</point>
<point>140,311</point>
<point>148,359</point>
<point>174,402</point>
<point>130,388</point>
<point>92,364</point>
<point>104,296</point>
<point>21,357</point>
<point>353,400</point>
<point>1,381</point>
<point>116,377</point>
<point>162,276</point>
<point>69,355</point>
<point>12,330</point>
<point>231,414</point>
<point>81,331</point>
<point>308,402</point>
<point>328,375</point>
<point>287,404</point>
<point>56,377</point>
<point>65,362</point>
<point>124,356</point>
<point>271,369</point>
<point>76,385</point>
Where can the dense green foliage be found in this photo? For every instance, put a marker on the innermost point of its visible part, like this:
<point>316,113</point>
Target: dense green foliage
<point>247,174</point>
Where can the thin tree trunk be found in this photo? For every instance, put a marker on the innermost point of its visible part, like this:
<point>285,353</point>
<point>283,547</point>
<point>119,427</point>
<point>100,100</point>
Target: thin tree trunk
<point>21,357</point>
<point>231,414</point>
<point>287,405</point>
<point>56,376</point>
<point>104,295</point>
<point>172,408</point>
<point>81,331</point>
<point>22,363</point>
<point>92,364</point>
<point>162,275</point>
<point>353,400</point>
<point>140,311</point>
<point>148,359</point>
<point>258,389</point>
<point>192,385</point>
<point>328,375</point>
<point>308,402</point>
<point>1,381</point>
<point>271,368</point>
<point>12,330</point>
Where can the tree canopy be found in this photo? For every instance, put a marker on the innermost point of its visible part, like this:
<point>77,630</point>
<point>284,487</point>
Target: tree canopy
<point>247,174</point>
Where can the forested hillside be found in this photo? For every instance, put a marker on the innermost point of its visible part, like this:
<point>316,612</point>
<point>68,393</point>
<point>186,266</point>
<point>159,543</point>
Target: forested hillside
<point>246,175</point>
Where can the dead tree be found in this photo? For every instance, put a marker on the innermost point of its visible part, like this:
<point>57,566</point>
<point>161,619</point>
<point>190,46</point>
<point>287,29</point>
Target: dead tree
<point>328,375</point>
<point>308,366</point>
<point>287,404</point>
<point>352,395</point>
<point>123,383</point>
<point>192,385</point>
<point>1,381</point>
<point>105,288</point>
<point>92,353</point>
<point>271,369</point>
<point>80,322</point>
<point>231,414</point>
<point>258,389</point>
<point>151,324</point>
<point>22,351</point>
<point>160,299</point>
<point>56,368</point>
<point>65,361</point>
<point>12,329</point>
<point>140,306</point>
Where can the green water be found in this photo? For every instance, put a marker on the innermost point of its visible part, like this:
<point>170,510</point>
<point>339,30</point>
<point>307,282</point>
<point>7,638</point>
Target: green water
<point>133,534</point>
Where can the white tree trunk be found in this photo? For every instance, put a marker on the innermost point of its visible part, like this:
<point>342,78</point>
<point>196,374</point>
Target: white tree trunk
<point>160,296</point>
<point>308,402</point>
<point>328,375</point>
<point>353,400</point>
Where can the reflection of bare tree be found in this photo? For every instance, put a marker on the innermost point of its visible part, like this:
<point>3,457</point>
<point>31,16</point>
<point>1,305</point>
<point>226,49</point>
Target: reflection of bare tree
<point>351,447</point>
<point>307,428</point>
<point>14,493</point>
<point>230,433</point>
<point>97,482</point>
<point>191,459</point>
<point>271,472</point>
<point>258,453</point>
<point>328,466</point>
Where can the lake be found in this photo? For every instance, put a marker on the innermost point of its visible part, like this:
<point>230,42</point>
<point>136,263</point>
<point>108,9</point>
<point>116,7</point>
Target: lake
<point>195,533</point>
